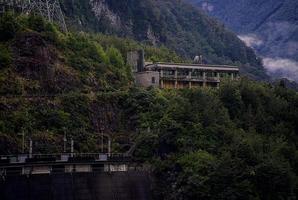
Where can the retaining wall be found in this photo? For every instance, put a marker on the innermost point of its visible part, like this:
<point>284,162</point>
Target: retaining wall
<point>77,186</point>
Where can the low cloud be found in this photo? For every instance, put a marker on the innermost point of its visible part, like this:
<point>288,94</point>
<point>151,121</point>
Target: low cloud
<point>281,68</point>
<point>207,6</point>
<point>251,40</point>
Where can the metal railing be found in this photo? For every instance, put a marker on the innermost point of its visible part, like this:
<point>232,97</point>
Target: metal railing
<point>63,157</point>
<point>187,77</point>
<point>106,168</point>
<point>213,79</point>
<point>168,76</point>
<point>197,77</point>
<point>182,76</point>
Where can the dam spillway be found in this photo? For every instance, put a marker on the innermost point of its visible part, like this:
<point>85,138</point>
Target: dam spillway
<point>130,185</point>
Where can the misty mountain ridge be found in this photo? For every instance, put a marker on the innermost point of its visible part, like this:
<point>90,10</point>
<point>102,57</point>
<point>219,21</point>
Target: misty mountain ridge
<point>269,26</point>
<point>172,23</point>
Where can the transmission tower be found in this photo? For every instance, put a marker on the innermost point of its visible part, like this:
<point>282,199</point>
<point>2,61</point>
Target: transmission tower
<point>49,9</point>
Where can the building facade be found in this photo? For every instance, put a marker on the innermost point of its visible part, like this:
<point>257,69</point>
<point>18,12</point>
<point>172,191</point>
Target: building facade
<point>180,75</point>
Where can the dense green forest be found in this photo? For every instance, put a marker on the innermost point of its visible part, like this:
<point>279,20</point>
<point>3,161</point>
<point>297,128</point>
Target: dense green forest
<point>238,142</point>
<point>235,142</point>
<point>173,23</point>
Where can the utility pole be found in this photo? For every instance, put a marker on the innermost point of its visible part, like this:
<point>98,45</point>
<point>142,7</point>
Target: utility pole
<point>23,142</point>
<point>109,148</point>
<point>71,147</point>
<point>30,148</point>
<point>102,141</point>
<point>64,140</point>
<point>102,134</point>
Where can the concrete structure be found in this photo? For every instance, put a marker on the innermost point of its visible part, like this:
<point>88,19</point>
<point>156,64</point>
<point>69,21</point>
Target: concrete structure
<point>147,78</point>
<point>26,164</point>
<point>181,75</point>
<point>130,185</point>
<point>178,75</point>
<point>70,176</point>
<point>136,60</point>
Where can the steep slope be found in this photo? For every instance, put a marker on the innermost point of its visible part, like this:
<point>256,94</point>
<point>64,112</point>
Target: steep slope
<point>269,26</point>
<point>52,81</point>
<point>172,23</point>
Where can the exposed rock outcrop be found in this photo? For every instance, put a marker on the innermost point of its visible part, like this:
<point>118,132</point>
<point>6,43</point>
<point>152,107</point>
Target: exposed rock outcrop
<point>101,10</point>
<point>34,58</point>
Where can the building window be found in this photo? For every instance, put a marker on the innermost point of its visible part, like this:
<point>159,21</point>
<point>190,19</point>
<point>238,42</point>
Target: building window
<point>169,72</point>
<point>210,74</point>
<point>153,80</point>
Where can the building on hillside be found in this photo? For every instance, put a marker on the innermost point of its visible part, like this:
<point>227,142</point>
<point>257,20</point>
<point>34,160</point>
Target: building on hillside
<point>179,75</point>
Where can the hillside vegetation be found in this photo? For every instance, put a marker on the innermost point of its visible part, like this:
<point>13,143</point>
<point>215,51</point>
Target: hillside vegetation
<point>173,23</point>
<point>235,142</point>
<point>238,142</point>
<point>39,59</point>
<point>52,81</point>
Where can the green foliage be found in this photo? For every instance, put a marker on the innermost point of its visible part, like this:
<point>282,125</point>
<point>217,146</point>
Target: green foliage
<point>102,54</point>
<point>8,26</point>
<point>199,162</point>
<point>237,142</point>
<point>79,61</point>
<point>115,57</point>
<point>5,57</point>
<point>36,23</point>
<point>9,85</point>
<point>161,54</point>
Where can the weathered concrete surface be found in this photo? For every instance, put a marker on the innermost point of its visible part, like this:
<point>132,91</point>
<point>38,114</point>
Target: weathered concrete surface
<point>82,186</point>
<point>147,78</point>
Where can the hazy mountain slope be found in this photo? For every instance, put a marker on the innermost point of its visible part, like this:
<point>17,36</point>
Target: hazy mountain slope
<point>269,26</point>
<point>172,23</point>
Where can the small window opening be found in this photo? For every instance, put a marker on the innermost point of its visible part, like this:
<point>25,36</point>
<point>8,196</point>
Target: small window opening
<point>153,80</point>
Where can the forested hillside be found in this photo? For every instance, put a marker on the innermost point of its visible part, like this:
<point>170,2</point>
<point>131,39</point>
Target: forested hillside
<point>52,81</point>
<point>235,142</point>
<point>173,23</point>
<point>238,142</point>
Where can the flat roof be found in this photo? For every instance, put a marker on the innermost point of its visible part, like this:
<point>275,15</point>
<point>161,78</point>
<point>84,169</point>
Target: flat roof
<point>193,66</point>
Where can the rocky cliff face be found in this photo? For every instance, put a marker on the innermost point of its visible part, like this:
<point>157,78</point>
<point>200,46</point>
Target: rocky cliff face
<point>102,11</point>
<point>173,23</point>
<point>33,56</point>
<point>269,26</point>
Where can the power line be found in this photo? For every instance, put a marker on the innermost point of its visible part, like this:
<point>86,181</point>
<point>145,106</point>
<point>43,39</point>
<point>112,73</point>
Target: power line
<point>49,9</point>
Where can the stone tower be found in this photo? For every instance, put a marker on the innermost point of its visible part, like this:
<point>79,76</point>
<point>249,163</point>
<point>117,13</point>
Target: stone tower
<point>136,60</point>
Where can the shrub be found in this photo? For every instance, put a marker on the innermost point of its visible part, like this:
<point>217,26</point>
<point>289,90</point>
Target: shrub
<point>5,57</point>
<point>36,23</point>
<point>8,26</point>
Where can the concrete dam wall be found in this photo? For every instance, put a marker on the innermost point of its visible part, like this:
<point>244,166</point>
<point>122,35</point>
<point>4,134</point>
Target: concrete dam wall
<point>130,185</point>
